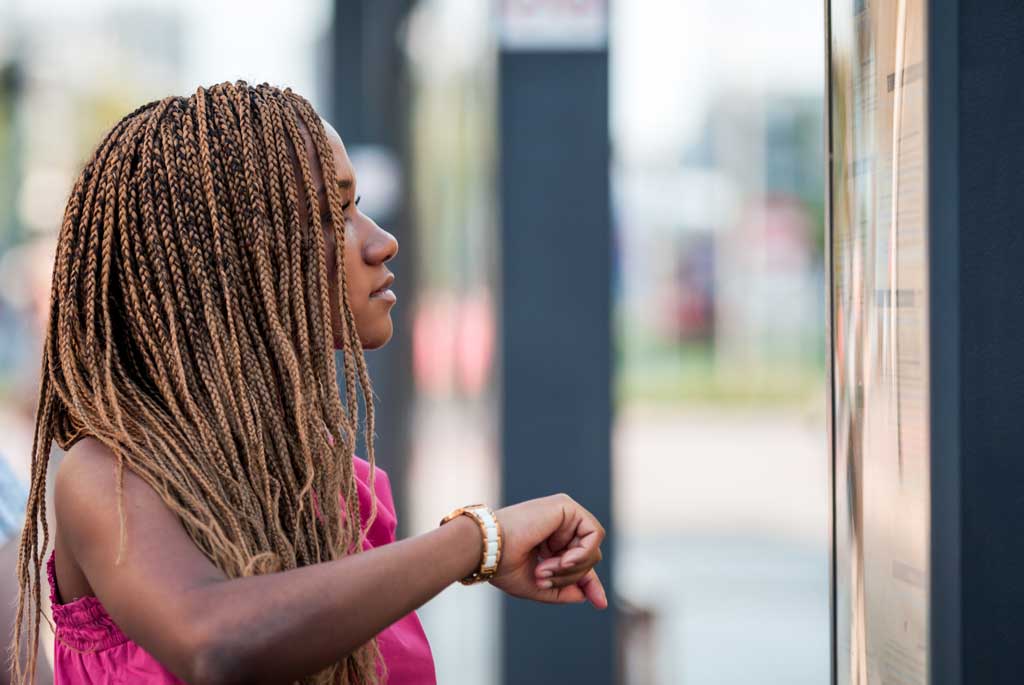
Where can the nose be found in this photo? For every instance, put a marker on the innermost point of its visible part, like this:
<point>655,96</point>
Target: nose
<point>380,247</point>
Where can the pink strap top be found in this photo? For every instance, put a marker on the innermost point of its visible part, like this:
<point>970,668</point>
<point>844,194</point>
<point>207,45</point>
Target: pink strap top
<point>106,656</point>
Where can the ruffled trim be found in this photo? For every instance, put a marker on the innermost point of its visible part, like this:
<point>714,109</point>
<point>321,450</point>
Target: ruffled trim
<point>82,624</point>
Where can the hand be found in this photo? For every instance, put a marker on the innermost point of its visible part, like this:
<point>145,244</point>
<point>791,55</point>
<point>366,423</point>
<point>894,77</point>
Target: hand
<point>550,548</point>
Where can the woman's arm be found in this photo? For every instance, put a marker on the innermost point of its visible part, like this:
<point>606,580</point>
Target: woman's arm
<point>209,630</point>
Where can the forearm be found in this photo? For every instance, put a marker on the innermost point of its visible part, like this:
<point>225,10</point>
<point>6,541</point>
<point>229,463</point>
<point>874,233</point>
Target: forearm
<point>279,627</point>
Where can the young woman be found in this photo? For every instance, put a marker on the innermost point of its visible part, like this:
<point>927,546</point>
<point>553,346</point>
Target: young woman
<point>213,524</point>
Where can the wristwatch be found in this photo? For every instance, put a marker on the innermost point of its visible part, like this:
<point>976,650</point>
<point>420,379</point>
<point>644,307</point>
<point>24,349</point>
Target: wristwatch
<point>490,529</point>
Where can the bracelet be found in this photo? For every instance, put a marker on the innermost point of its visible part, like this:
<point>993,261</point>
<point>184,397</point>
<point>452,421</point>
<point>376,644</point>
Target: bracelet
<point>490,529</point>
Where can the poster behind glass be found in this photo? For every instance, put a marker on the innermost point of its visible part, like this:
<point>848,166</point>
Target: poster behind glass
<point>879,321</point>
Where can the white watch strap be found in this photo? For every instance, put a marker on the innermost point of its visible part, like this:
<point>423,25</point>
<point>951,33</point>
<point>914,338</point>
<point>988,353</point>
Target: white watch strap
<point>492,539</point>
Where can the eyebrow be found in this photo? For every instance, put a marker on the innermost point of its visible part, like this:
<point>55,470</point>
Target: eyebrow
<point>343,184</point>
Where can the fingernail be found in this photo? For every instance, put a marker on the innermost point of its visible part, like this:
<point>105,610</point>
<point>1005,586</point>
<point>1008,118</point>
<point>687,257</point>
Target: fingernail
<point>546,573</point>
<point>545,584</point>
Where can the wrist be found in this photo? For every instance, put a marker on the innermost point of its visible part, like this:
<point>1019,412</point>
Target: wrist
<point>469,546</point>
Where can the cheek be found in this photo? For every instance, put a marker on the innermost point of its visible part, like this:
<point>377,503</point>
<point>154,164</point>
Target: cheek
<point>353,264</point>
<point>332,290</point>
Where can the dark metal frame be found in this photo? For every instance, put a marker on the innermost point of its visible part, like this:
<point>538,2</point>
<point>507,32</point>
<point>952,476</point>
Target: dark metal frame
<point>556,335</point>
<point>830,343</point>
<point>976,173</point>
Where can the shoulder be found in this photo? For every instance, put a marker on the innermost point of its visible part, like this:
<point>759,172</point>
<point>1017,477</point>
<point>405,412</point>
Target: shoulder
<point>87,474</point>
<point>85,480</point>
<point>90,467</point>
<point>84,456</point>
<point>86,468</point>
<point>86,494</point>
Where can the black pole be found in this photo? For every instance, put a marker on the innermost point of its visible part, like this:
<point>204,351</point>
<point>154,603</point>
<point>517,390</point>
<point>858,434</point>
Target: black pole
<point>368,106</point>
<point>556,238</point>
<point>976,172</point>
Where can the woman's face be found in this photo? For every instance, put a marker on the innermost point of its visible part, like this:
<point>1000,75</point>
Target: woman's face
<point>367,249</point>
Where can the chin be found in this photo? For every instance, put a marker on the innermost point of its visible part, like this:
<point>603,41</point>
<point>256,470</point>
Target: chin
<point>376,343</point>
<point>373,336</point>
<point>378,337</point>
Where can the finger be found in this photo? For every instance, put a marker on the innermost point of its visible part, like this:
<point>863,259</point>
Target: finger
<point>546,569</point>
<point>588,588</point>
<point>547,562</point>
<point>587,554</point>
<point>562,580</point>
<point>566,531</point>
<point>578,555</point>
<point>579,528</point>
<point>593,589</point>
<point>570,594</point>
<point>568,564</point>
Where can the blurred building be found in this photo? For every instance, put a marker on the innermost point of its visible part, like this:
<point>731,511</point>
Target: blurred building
<point>720,459</point>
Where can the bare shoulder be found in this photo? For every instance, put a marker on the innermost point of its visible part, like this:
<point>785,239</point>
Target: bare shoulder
<point>92,514</point>
<point>89,469</point>
<point>86,481</point>
<point>87,465</point>
<point>86,497</point>
<point>84,476</point>
<point>84,487</point>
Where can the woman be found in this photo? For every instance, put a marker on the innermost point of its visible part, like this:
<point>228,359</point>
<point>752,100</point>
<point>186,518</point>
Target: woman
<point>213,523</point>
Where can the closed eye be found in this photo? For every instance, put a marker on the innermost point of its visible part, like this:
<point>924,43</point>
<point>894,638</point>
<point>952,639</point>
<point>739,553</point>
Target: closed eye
<point>325,217</point>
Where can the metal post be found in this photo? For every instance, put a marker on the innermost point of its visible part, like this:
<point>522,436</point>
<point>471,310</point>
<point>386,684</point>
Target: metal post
<point>976,171</point>
<point>556,242</point>
<point>368,106</point>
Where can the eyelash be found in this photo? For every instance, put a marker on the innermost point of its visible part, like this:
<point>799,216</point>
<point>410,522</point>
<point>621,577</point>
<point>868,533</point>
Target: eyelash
<point>326,217</point>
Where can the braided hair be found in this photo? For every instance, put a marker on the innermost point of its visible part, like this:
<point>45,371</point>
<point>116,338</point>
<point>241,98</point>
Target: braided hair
<point>190,332</point>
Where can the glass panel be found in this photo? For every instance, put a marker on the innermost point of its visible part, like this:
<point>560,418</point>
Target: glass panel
<point>880,345</point>
<point>721,463</point>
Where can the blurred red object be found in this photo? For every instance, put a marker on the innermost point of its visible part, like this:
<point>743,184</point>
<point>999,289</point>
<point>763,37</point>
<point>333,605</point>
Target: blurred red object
<point>453,341</point>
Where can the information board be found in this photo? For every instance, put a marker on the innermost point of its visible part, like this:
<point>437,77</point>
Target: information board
<point>879,340</point>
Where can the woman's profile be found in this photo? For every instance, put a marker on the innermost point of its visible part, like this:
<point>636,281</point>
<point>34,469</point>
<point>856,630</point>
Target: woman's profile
<point>213,523</point>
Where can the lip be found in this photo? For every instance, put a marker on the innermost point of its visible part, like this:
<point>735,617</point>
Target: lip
<point>383,291</point>
<point>387,295</point>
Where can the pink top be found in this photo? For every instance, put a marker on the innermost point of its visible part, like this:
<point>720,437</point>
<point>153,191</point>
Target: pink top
<point>107,656</point>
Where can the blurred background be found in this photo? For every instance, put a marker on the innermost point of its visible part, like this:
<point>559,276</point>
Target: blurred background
<point>718,473</point>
